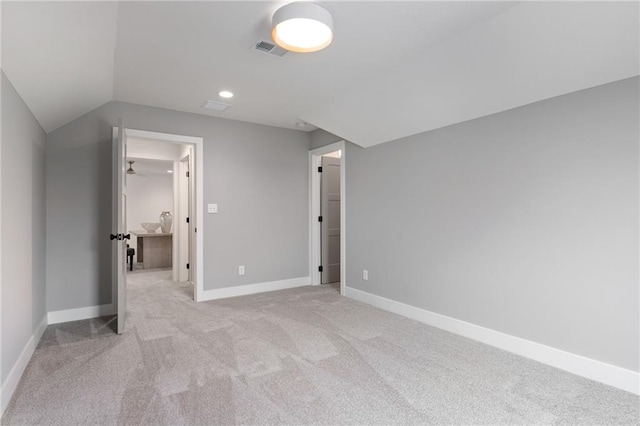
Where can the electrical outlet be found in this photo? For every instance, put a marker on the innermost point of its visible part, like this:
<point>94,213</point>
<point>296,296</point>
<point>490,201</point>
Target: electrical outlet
<point>365,274</point>
<point>241,270</point>
<point>212,208</point>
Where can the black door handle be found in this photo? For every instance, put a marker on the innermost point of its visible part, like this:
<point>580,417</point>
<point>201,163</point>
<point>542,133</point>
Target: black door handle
<point>114,237</point>
<point>126,236</point>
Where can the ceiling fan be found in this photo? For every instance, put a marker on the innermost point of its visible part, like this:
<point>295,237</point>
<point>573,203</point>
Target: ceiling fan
<point>141,173</point>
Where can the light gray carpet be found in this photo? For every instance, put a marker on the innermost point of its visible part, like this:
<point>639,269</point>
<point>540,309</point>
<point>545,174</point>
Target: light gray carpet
<point>299,356</point>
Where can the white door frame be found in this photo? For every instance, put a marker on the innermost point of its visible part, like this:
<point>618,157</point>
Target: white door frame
<point>198,142</point>
<point>314,211</point>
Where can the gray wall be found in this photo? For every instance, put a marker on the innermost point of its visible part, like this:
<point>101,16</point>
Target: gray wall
<point>22,227</point>
<point>147,197</point>
<point>257,174</point>
<point>525,222</point>
<point>321,137</point>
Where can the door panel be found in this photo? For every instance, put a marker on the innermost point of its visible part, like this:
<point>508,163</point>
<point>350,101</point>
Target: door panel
<point>119,198</point>
<point>192,216</point>
<point>183,225</point>
<point>330,226</point>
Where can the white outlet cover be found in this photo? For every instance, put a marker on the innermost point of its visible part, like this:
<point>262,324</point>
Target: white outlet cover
<point>365,274</point>
<point>212,208</point>
<point>241,270</point>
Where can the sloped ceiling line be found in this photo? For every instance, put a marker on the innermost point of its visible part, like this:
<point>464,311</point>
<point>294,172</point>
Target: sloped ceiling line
<point>59,56</point>
<point>524,55</point>
<point>435,63</point>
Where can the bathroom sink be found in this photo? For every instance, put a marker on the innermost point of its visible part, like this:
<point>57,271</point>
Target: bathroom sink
<point>150,227</point>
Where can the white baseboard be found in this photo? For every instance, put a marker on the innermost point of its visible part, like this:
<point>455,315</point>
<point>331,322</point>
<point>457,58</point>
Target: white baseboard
<point>582,366</point>
<point>243,290</point>
<point>13,378</point>
<point>56,317</point>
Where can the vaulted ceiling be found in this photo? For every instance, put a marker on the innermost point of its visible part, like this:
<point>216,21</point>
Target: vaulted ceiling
<point>393,70</point>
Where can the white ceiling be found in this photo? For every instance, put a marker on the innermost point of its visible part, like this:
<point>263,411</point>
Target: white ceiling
<point>59,56</point>
<point>394,69</point>
<point>153,149</point>
<point>145,167</point>
<point>531,52</point>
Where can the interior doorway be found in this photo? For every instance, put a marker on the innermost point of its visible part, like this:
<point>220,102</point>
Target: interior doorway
<point>151,214</point>
<point>165,171</point>
<point>327,219</point>
<point>159,203</point>
<point>330,196</point>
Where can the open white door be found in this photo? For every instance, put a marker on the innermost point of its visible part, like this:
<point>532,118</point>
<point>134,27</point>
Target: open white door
<point>182,226</point>
<point>119,235</point>
<point>186,220</point>
<point>330,225</point>
<point>192,217</point>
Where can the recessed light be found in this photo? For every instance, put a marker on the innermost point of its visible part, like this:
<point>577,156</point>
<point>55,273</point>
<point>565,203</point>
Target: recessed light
<point>301,124</point>
<point>169,171</point>
<point>225,94</point>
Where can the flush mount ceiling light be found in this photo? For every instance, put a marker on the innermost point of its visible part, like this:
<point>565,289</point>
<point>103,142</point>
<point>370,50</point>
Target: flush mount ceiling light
<point>302,27</point>
<point>225,94</point>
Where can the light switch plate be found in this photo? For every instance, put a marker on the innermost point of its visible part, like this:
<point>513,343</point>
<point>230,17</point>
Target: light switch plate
<point>212,208</point>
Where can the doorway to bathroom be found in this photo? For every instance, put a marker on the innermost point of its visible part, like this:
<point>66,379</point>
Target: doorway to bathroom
<point>160,206</point>
<point>161,191</point>
<point>150,212</point>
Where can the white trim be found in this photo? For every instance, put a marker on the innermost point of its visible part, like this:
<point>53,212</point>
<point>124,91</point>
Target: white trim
<point>314,211</point>
<point>198,142</point>
<point>13,378</point>
<point>243,290</point>
<point>577,364</point>
<point>168,137</point>
<point>77,314</point>
<point>2,392</point>
<point>198,279</point>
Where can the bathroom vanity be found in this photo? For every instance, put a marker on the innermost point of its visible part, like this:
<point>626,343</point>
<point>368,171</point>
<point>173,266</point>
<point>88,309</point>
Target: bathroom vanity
<point>154,250</point>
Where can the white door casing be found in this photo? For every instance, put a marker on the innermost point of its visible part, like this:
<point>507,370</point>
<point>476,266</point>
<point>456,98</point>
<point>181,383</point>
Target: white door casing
<point>330,225</point>
<point>196,157</point>
<point>315,161</point>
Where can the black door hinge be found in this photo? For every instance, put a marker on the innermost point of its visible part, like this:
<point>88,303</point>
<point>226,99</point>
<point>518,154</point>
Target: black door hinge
<point>187,174</point>
<point>320,268</point>
<point>187,220</point>
<point>319,218</point>
<point>187,266</point>
<point>320,169</point>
